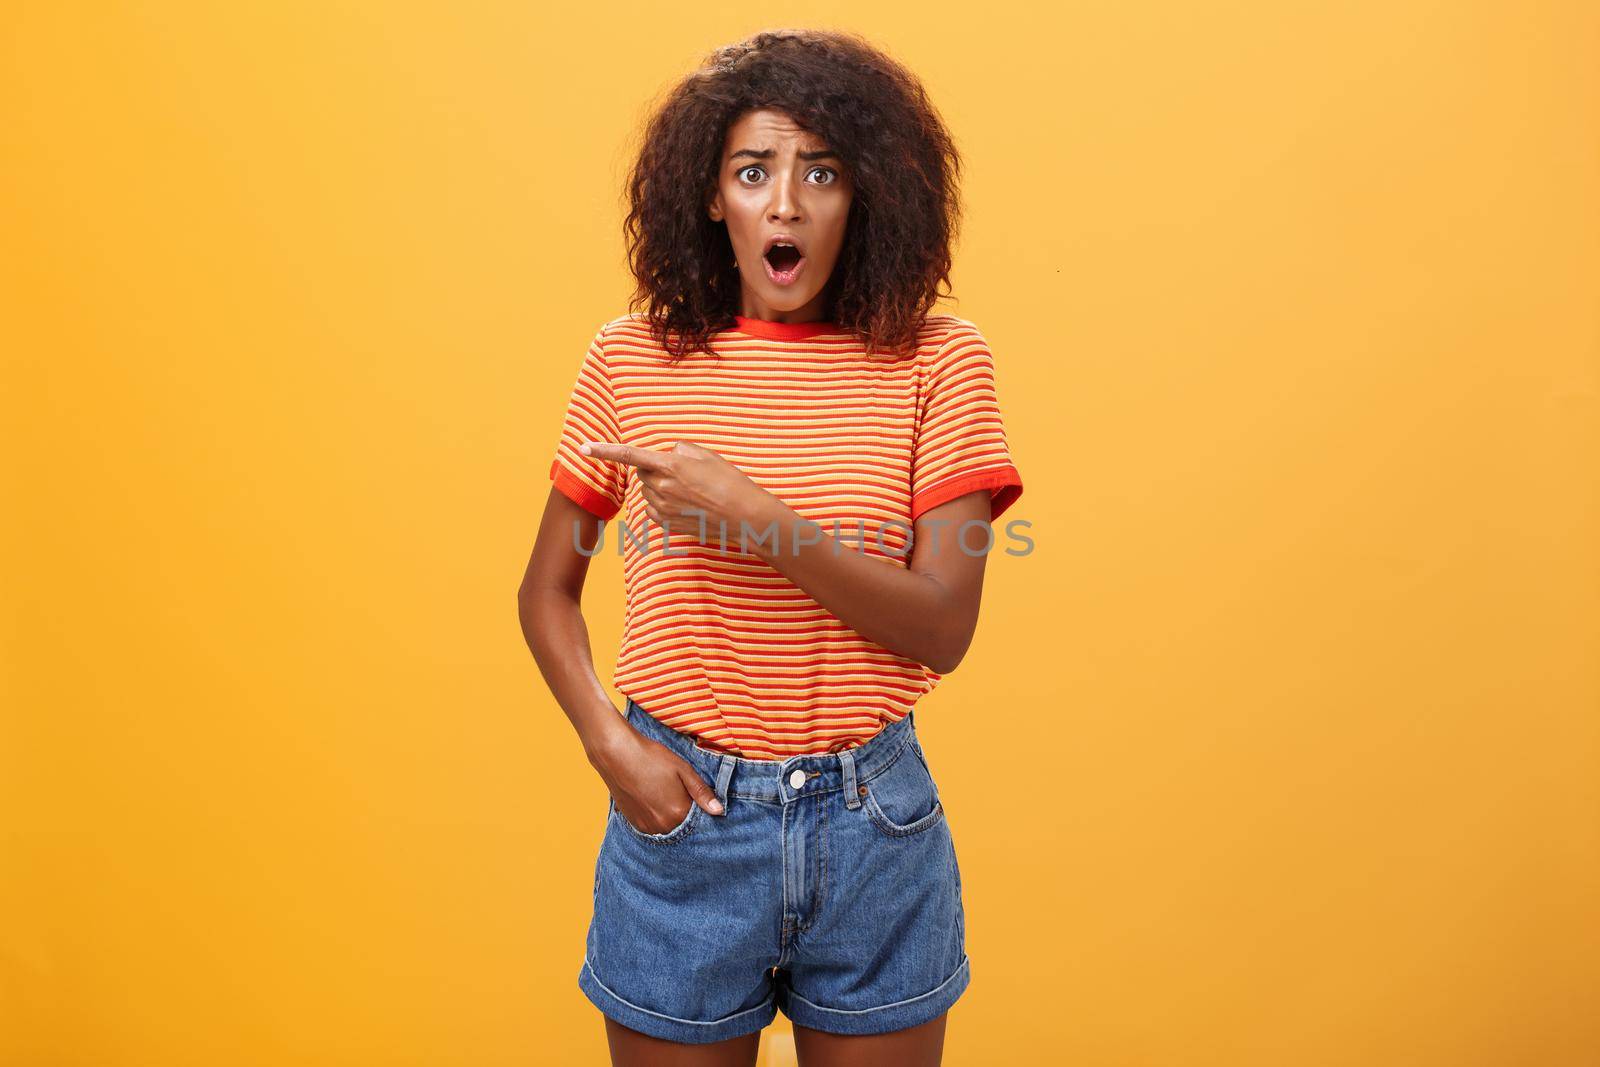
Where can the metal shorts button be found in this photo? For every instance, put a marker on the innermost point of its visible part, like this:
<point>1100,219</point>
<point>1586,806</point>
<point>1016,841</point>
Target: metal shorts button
<point>797,778</point>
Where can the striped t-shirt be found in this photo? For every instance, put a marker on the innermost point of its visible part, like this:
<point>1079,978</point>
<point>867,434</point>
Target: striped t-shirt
<point>716,642</point>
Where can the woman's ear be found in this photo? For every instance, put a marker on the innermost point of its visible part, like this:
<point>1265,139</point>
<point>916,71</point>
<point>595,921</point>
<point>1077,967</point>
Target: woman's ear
<point>714,207</point>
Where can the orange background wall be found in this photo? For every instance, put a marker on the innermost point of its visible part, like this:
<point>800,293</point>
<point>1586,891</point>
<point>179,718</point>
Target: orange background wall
<point>1280,749</point>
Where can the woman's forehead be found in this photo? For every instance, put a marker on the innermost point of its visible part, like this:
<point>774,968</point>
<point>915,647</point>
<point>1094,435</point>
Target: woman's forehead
<point>760,130</point>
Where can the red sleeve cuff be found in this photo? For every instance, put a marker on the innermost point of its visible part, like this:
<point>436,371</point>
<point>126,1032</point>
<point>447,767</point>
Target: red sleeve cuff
<point>1005,483</point>
<point>597,504</point>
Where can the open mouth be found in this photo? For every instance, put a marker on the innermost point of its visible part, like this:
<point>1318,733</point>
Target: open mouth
<point>783,262</point>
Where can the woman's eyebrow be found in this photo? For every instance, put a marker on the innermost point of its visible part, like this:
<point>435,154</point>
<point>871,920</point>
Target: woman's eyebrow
<point>768,153</point>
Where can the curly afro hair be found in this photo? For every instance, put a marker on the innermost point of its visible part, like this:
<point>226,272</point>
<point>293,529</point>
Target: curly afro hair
<point>868,108</point>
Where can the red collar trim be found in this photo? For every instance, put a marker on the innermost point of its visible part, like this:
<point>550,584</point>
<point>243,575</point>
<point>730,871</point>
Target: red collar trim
<point>782,331</point>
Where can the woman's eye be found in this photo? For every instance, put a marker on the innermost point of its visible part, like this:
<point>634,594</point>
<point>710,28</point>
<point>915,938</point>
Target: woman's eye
<point>830,176</point>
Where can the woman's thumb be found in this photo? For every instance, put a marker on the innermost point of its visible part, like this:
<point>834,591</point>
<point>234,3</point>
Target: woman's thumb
<point>702,793</point>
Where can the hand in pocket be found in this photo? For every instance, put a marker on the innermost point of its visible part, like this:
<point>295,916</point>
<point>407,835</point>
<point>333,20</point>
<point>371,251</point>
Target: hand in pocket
<point>653,787</point>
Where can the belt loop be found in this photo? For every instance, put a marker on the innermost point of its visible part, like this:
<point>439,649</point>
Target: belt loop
<point>724,773</point>
<point>852,799</point>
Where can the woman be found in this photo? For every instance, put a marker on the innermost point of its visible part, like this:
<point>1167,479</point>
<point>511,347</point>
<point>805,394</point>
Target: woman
<point>795,443</point>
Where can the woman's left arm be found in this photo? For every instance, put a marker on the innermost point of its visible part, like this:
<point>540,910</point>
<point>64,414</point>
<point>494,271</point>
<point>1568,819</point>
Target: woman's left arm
<point>926,611</point>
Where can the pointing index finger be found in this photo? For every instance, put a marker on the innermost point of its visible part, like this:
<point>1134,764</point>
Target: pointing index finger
<point>648,459</point>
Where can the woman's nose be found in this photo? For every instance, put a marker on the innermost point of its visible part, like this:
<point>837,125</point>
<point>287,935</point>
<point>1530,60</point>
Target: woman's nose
<point>784,205</point>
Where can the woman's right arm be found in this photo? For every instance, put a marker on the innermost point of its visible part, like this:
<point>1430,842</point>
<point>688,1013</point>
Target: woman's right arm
<point>552,623</point>
<point>652,785</point>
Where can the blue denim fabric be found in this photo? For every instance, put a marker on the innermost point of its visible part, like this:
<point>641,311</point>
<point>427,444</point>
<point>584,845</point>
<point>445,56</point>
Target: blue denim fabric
<point>837,902</point>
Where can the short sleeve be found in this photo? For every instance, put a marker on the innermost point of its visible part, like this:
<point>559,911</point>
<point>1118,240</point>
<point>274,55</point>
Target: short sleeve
<point>960,438</point>
<point>593,484</point>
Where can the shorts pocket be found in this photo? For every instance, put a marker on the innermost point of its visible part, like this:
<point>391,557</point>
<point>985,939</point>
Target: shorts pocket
<point>903,798</point>
<point>677,833</point>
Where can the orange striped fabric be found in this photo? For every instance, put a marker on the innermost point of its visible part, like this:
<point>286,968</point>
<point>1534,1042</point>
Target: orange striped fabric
<point>716,642</point>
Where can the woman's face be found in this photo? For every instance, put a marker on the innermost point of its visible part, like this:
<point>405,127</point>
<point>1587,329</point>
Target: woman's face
<point>777,179</point>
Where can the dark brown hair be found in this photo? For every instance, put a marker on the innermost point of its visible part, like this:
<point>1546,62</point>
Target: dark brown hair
<point>868,108</point>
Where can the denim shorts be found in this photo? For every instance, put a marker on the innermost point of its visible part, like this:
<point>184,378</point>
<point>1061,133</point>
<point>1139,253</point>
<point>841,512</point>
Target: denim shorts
<point>828,889</point>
